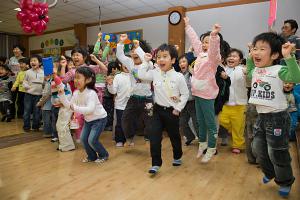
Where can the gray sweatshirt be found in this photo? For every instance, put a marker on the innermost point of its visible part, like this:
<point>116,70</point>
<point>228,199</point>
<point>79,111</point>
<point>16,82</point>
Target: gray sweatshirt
<point>33,81</point>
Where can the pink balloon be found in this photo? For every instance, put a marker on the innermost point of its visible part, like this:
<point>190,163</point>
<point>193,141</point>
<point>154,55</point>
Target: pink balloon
<point>46,19</point>
<point>34,24</point>
<point>33,16</point>
<point>27,29</point>
<point>26,21</point>
<point>20,15</point>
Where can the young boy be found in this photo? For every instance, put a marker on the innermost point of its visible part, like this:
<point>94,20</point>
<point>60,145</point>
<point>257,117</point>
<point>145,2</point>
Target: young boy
<point>288,89</point>
<point>5,93</point>
<point>33,85</point>
<point>24,66</point>
<point>271,131</point>
<point>121,86</point>
<point>170,96</point>
<point>141,90</point>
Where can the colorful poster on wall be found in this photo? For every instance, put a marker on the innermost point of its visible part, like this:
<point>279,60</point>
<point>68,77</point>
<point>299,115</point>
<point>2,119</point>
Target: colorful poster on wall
<point>52,47</point>
<point>113,38</point>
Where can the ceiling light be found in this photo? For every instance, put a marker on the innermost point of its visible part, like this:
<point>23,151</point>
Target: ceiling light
<point>1,21</point>
<point>17,9</point>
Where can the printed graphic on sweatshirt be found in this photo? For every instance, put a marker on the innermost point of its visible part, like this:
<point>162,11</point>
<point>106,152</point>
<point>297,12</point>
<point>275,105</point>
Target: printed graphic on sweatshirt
<point>262,89</point>
<point>135,75</point>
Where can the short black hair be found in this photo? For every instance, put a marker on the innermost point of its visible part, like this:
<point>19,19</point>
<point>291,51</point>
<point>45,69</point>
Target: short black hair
<point>24,60</point>
<point>145,46</point>
<point>293,24</point>
<point>240,53</point>
<point>224,49</point>
<point>3,59</point>
<point>88,73</point>
<point>19,47</point>
<point>113,65</point>
<point>185,56</point>
<point>274,40</point>
<point>80,50</point>
<point>170,48</point>
<point>6,68</point>
<point>208,34</point>
<point>37,57</point>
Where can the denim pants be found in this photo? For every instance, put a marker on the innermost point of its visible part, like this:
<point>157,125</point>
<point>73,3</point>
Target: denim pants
<point>271,146</point>
<point>185,115</point>
<point>119,134</point>
<point>90,139</point>
<point>30,102</point>
<point>47,120</point>
<point>205,111</point>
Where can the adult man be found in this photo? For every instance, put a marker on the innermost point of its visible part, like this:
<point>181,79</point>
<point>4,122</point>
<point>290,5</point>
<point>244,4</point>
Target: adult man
<point>289,30</point>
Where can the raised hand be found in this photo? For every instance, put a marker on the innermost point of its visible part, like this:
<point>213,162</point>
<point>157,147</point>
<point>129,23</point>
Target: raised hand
<point>107,43</point>
<point>109,80</point>
<point>148,57</point>
<point>94,58</point>
<point>250,48</point>
<point>287,49</point>
<point>186,21</point>
<point>136,43</point>
<point>99,36</point>
<point>123,37</point>
<point>216,29</point>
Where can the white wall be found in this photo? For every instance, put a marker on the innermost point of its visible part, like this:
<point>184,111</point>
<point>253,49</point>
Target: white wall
<point>67,36</point>
<point>155,29</point>
<point>240,24</point>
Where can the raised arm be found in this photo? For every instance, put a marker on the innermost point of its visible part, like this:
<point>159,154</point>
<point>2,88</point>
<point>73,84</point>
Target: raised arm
<point>105,51</point>
<point>112,84</point>
<point>214,46</point>
<point>143,72</point>
<point>25,82</point>
<point>193,37</point>
<point>128,62</point>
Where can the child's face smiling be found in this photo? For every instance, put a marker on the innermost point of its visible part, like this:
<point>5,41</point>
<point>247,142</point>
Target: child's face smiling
<point>183,64</point>
<point>79,81</point>
<point>136,59</point>
<point>205,43</point>
<point>287,87</point>
<point>164,60</point>
<point>34,63</point>
<point>233,59</point>
<point>3,71</point>
<point>23,66</point>
<point>261,54</point>
<point>78,59</point>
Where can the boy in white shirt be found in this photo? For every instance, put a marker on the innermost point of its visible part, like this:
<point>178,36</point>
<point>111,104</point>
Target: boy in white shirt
<point>170,96</point>
<point>121,86</point>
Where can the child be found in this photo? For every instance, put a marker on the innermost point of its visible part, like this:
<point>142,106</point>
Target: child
<point>24,66</point>
<point>85,101</point>
<point>5,93</point>
<point>204,87</point>
<point>271,131</point>
<point>79,56</point>
<point>141,90</point>
<point>232,116</point>
<point>33,85</point>
<point>292,109</point>
<point>45,105</point>
<point>189,109</point>
<point>121,86</point>
<point>170,96</point>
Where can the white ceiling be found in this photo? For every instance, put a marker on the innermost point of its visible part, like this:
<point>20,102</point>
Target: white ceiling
<point>67,14</point>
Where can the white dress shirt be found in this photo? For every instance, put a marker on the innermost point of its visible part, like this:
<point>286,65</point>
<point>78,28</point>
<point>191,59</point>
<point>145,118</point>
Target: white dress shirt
<point>122,87</point>
<point>170,88</point>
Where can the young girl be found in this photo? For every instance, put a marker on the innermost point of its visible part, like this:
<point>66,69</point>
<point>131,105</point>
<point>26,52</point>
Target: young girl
<point>232,116</point>
<point>121,86</point>
<point>170,96</point>
<point>33,85</point>
<point>79,56</point>
<point>204,86</point>
<point>189,109</point>
<point>85,101</point>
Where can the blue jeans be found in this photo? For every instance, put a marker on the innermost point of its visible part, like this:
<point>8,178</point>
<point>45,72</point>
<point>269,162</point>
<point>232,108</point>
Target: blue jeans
<point>30,102</point>
<point>90,139</point>
<point>271,146</point>
<point>294,123</point>
<point>47,119</point>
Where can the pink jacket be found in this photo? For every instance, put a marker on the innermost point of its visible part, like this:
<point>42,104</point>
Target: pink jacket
<point>203,80</point>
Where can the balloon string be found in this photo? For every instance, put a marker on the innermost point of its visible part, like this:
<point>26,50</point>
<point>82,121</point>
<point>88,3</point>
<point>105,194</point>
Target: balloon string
<point>100,26</point>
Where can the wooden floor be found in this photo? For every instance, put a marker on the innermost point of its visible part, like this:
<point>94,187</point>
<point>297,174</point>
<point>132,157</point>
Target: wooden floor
<point>37,171</point>
<point>11,128</point>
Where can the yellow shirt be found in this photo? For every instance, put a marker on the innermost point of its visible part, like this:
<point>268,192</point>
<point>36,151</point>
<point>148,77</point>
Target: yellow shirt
<point>19,81</point>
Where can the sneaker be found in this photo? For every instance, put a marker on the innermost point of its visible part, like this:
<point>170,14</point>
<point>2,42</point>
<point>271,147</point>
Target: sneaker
<point>266,180</point>
<point>236,151</point>
<point>284,191</point>
<point>188,142</point>
<point>202,148</point>
<point>177,162</point>
<point>209,154</point>
<point>77,141</point>
<point>130,142</point>
<point>154,169</point>
<point>54,139</point>
<point>101,160</point>
<point>86,160</point>
<point>119,144</point>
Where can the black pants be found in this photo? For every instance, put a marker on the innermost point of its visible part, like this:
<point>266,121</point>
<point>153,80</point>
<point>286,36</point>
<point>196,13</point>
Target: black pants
<point>188,112</point>
<point>5,109</point>
<point>20,104</point>
<point>119,133</point>
<point>108,104</point>
<point>163,118</point>
<point>13,105</point>
<point>134,108</point>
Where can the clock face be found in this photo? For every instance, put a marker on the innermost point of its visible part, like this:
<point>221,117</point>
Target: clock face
<point>174,17</point>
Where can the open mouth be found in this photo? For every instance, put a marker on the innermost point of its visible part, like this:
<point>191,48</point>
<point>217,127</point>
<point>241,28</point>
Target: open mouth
<point>230,62</point>
<point>257,60</point>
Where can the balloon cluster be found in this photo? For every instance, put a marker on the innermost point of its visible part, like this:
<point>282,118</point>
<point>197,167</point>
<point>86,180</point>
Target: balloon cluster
<point>33,16</point>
